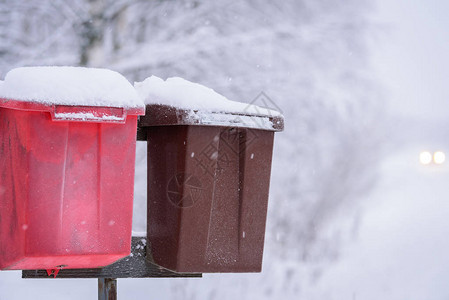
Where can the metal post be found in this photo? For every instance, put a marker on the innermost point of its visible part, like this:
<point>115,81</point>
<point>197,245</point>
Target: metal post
<point>107,289</point>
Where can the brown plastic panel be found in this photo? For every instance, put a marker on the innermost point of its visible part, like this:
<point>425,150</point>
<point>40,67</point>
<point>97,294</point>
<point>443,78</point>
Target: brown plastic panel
<point>207,196</point>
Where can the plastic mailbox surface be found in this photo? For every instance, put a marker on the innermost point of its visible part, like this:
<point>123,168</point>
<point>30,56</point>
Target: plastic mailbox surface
<point>66,185</point>
<point>207,188</point>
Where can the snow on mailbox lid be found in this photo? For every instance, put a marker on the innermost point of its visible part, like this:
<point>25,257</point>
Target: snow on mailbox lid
<point>196,104</point>
<point>71,93</point>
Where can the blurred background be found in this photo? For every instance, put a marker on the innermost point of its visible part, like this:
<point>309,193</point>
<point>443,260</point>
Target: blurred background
<point>358,203</point>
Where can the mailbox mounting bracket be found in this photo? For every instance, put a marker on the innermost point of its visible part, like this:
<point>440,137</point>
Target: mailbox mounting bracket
<point>135,265</point>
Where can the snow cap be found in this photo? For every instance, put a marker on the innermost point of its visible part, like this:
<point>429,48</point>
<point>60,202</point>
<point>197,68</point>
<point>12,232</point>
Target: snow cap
<point>180,93</point>
<point>75,86</point>
<point>177,101</point>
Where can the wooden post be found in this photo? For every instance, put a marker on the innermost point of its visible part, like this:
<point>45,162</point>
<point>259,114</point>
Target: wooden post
<point>107,289</point>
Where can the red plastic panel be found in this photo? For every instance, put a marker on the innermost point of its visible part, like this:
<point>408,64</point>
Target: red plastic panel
<point>66,191</point>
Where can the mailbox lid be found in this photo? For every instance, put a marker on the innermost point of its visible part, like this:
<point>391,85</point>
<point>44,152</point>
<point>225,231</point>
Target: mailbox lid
<point>163,115</point>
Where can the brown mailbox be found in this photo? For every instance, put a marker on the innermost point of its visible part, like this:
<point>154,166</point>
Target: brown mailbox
<point>208,182</point>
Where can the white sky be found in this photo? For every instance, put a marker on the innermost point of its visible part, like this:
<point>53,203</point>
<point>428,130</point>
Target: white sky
<point>411,55</point>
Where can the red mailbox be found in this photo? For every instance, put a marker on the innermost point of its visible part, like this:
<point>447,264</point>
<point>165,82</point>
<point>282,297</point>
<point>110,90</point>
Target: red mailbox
<point>208,182</point>
<point>66,179</point>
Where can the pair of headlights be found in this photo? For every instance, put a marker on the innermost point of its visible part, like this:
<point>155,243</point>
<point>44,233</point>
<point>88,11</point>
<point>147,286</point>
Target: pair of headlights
<point>426,157</point>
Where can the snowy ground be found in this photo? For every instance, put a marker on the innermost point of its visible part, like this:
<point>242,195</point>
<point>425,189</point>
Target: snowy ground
<point>402,249</point>
<point>400,252</point>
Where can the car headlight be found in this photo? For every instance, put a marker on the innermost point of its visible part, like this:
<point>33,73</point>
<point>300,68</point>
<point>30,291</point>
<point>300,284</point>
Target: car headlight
<point>425,157</point>
<point>439,157</point>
